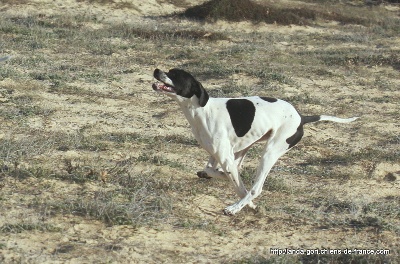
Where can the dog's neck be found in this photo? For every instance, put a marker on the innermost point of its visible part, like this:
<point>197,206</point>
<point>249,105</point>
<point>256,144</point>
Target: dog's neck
<point>195,114</point>
<point>190,106</point>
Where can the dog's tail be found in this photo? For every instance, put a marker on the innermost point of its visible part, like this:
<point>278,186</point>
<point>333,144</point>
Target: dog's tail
<point>315,118</point>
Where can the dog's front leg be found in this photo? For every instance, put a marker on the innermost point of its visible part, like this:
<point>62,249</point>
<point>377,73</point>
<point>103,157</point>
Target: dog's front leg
<point>211,171</point>
<point>231,170</point>
<point>270,155</point>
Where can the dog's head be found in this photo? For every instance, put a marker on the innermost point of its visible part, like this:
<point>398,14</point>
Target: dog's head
<point>178,82</point>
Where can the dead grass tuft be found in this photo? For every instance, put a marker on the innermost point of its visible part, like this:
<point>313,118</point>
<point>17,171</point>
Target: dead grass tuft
<point>27,226</point>
<point>127,31</point>
<point>246,10</point>
<point>140,199</point>
<point>14,2</point>
<point>116,4</point>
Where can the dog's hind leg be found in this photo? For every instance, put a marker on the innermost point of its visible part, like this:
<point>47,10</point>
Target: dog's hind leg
<point>239,157</point>
<point>268,159</point>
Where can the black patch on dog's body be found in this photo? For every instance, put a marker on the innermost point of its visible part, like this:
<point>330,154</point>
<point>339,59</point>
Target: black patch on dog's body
<point>269,99</point>
<point>293,140</point>
<point>241,112</point>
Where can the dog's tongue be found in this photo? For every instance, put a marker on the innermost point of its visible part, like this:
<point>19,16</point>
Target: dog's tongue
<point>167,88</point>
<point>161,86</point>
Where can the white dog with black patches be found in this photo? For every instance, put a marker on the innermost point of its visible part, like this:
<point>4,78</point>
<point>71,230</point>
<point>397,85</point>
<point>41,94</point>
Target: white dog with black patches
<point>226,128</point>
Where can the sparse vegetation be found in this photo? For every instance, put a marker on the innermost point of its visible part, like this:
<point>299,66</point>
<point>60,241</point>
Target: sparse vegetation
<point>88,150</point>
<point>23,227</point>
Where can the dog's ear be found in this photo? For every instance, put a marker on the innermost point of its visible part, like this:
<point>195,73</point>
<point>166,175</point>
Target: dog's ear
<point>202,95</point>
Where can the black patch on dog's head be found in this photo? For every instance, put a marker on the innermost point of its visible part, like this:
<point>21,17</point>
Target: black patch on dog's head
<point>269,99</point>
<point>186,85</point>
<point>241,112</point>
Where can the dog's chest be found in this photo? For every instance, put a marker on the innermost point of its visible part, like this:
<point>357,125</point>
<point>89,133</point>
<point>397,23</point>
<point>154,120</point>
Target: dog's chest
<point>208,124</point>
<point>215,127</point>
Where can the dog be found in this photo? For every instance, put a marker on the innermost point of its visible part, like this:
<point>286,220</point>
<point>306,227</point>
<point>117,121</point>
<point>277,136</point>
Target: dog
<point>227,128</point>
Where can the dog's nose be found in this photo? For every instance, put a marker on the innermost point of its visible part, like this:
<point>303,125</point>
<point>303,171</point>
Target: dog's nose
<point>154,87</point>
<point>156,73</point>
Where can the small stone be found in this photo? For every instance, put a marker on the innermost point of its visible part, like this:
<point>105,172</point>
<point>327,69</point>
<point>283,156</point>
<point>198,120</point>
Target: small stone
<point>390,177</point>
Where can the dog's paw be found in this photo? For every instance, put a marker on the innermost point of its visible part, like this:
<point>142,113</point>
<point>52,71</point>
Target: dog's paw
<point>231,210</point>
<point>227,212</point>
<point>203,175</point>
<point>252,205</point>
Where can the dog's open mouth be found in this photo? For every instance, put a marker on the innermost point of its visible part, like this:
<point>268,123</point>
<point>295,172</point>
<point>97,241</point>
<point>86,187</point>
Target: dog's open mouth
<point>165,84</point>
<point>163,87</point>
